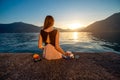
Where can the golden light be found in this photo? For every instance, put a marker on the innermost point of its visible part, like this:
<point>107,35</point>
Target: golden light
<point>75,26</point>
<point>75,35</point>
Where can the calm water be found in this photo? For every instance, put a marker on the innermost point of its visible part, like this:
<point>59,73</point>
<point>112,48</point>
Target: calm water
<point>73,41</point>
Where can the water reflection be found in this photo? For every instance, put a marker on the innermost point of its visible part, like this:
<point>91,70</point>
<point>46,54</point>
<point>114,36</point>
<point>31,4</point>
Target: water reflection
<point>75,35</point>
<point>110,38</point>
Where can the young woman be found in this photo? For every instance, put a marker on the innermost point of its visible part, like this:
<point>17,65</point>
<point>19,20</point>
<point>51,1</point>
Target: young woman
<point>50,37</point>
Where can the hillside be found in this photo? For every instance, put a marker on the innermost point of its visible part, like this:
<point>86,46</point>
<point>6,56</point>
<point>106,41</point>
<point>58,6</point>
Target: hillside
<point>110,24</point>
<point>18,27</point>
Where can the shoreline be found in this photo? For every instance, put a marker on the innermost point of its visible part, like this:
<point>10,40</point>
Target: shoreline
<point>89,66</point>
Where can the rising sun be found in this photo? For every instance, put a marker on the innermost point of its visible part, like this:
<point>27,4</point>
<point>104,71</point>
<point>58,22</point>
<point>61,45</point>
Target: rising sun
<point>75,26</point>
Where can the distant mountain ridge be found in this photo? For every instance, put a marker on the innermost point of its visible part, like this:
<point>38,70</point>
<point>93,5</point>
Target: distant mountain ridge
<point>21,27</point>
<point>18,27</point>
<point>110,24</point>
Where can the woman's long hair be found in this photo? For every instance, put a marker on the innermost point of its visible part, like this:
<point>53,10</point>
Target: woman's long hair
<point>49,21</point>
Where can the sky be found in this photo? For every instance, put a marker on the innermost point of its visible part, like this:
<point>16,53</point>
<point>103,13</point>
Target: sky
<point>65,12</point>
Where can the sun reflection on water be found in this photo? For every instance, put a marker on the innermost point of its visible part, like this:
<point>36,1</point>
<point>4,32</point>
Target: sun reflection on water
<point>75,37</point>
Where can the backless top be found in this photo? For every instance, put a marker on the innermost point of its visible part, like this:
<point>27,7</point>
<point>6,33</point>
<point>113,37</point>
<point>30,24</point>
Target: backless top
<point>51,34</point>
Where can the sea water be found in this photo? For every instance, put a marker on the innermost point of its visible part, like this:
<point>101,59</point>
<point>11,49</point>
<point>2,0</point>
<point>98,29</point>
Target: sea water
<point>69,41</point>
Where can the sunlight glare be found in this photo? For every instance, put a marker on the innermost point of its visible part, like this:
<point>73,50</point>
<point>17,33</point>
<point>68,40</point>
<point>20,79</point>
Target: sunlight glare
<point>75,26</point>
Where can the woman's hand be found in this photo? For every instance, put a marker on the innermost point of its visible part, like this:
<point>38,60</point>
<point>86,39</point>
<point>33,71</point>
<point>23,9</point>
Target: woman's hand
<point>42,47</point>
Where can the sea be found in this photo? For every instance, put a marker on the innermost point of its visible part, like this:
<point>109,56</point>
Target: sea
<point>69,41</point>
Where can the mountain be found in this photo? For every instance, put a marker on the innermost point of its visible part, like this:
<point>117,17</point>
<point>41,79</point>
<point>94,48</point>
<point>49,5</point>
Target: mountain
<point>18,27</point>
<point>21,27</point>
<point>110,24</point>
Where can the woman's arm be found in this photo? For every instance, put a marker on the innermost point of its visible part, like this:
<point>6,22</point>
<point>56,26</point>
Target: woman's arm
<point>57,46</point>
<point>40,42</point>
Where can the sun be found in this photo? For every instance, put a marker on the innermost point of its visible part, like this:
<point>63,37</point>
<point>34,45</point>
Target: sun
<point>75,26</point>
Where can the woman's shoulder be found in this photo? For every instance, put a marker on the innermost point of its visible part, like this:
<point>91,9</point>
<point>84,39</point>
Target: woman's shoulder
<point>57,31</point>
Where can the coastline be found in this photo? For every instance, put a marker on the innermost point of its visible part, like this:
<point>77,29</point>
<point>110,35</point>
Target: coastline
<point>89,66</point>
